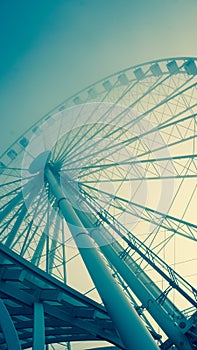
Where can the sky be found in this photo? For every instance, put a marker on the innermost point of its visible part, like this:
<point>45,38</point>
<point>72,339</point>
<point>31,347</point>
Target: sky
<point>50,49</point>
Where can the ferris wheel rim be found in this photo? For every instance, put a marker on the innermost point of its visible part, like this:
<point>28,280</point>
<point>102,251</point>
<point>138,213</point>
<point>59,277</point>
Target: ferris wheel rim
<point>86,88</point>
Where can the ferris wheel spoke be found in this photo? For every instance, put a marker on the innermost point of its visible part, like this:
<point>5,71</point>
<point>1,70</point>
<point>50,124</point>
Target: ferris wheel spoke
<point>175,116</point>
<point>10,193</point>
<point>35,200</point>
<point>20,237</point>
<point>179,142</point>
<point>58,133</point>
<point>161,245</point>
<point>102,118</point>
<point>133,122</point>
<point>8,207</point>
<point>44,238</point>
<point>129,161</point>
<point>173,224</point>
<point>138,156</point>
<point>150,257</point>
<point>55,250</point>
<point>6,223</point>
<point>166,100</point>
<point>54,243</point>
<point>189,201</point>
<point>14,173</point>
<point>16,169</point>
<point>158,248</point>
<point>150,241</point>
<point>30,232</point>
<point>85,144</point>
<point>170,101</point>
<point>144,178</point>
<point>57,155</point>
<point>20,217</point>
<point>188,119</point>
<point>177,166</point>
<point>27,191</point>
<point>168,145</point>
<point>68,148</point>
<point>89,144</point>
<point>118,146</point>
<point>35,259</point>
<point>155,84</point>
<point>63,247</point>
<point>70,142</point>
<point>8,184</point>
<point>16,226</point>
<point>14,182</point>
<point>130,141</point>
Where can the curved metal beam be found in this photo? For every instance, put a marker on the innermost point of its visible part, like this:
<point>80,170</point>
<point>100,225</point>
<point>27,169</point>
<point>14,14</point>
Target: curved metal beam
<point>8,328</point>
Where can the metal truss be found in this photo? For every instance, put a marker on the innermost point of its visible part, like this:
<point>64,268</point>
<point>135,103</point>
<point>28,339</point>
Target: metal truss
<point>45,311</point>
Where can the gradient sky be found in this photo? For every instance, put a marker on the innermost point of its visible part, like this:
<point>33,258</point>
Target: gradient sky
<point>50,49</point>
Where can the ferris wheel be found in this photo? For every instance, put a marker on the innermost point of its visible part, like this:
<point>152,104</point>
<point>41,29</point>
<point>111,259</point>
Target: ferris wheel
<point>101,195</point>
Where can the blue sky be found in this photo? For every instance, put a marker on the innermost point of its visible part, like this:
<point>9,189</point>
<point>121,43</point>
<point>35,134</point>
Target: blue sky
<point>52,48</point>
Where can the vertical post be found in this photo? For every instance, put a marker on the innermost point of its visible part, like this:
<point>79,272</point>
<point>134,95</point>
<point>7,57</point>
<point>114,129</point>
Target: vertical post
<point>8,328</point>
<point>39,327</point>
<point>131,329</point>
<point>68,346</point>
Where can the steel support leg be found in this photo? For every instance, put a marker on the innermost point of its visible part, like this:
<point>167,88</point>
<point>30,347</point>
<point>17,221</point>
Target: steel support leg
<point>39,327</point>
<point>102,237</point>
<point>131,329</point>
<point>8,328</point>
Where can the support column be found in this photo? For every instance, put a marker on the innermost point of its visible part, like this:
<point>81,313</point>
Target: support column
<point>131,329</point>
<point>102,237</point>
<point>39,327</point>
<point>8,328</point>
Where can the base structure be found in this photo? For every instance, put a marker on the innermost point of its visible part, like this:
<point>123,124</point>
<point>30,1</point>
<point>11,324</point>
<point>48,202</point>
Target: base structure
<point>36,309</point>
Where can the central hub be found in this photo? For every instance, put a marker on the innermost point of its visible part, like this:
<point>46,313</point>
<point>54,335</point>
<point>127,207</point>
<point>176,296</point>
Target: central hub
<point>39,163</point>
